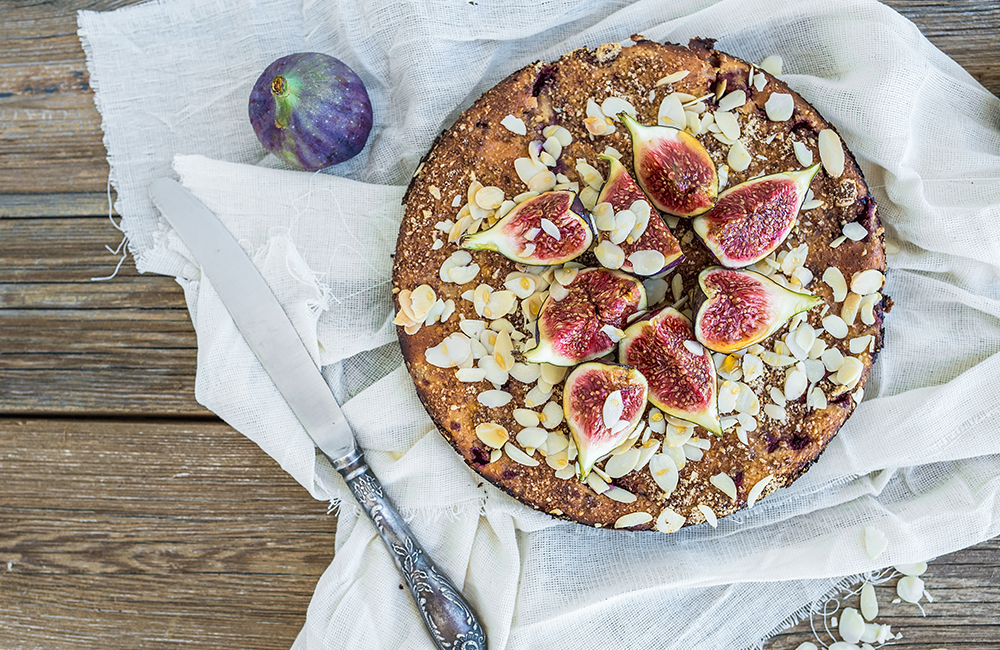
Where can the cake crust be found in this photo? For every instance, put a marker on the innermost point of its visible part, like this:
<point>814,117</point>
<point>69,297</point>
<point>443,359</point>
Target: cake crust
<point>478,148</point>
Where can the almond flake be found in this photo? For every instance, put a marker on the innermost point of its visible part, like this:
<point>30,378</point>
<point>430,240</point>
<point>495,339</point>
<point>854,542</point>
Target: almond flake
<point>551,229</point>
<point>854,231</point>
<point>738,158</point>
<point>612,106</point>
<point>532,437</point>
<point>494,398</point>
<point>514,125</point>
<point>669,521</point>
<point>757,490</point>
<point>609,255</point>
<point>526,418</point>
<point>849,311</point>
<point>518,456</point>
<point>728,124</point>
<point>694,347</point>
<point>831,152</point>
<point>836,281</point>
<point>733,100</point>
<point>775,412</point>
<point>673,77</point>
<point>724,483</point>
<point>647,262</point>
<point>869,604</point>
<point>802,153</point>
<point>492,434</point>
<point>910,588</point>
<point>664,471</point>
<point>772,64</point>
<point>710,517</point>
<point>470,375</point>
<point>633,519</point>
<point>835,326</point>
<point>621,464</point>
<point>779,107</point>
<point>867,282</point>
<point>671,112</point>
<point>850,372</point>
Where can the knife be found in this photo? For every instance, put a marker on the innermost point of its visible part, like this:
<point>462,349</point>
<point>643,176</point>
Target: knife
<point>450,620</point>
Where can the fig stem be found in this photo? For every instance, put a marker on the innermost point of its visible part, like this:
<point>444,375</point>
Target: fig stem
<point>282,105</point>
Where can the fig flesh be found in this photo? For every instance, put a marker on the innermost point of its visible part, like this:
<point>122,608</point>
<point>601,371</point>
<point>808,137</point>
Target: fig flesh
<point>622,192</point>
<point>753,218</point>
<point>603,403</point>
<point>680,371</point>
<point>311,110</point>
<point>740,308</point>
<point>672,168</point>
<point>576,328</point>
<point>542,230</point>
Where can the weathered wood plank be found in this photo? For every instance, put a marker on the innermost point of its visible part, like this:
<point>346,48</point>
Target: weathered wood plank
<point>64,204</point>
<point>965,613</point>
<point>51,131</point>
<point>148,534</point>
<point>117,346</point>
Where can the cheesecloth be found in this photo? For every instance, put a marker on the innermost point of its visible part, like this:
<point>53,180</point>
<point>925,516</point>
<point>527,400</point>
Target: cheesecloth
<point>919,460</point>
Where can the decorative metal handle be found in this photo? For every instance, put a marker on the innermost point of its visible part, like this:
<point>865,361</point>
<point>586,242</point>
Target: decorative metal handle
<point>449,619</point>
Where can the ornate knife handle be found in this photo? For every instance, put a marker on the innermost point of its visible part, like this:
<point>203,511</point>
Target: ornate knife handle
<point>449,619</point>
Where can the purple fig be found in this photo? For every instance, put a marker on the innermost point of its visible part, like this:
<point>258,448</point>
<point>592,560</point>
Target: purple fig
<point>680,371</point>
<point>622,193</point>
<point>752,219</point>
<point>673,168</point>
<point>541,230</point>
<point>310,110</point>
<point>603,403</point>
<point>576,328</point>
<point>741,308</point>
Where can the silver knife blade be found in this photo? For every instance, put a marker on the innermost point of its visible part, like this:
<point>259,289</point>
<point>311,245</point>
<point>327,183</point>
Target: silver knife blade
<point>258,315</point>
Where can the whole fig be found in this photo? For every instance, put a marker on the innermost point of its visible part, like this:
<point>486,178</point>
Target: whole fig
<point>311,110</point>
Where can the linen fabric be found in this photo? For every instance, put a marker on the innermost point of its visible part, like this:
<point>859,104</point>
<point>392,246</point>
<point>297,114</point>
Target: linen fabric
<point>919,460</point>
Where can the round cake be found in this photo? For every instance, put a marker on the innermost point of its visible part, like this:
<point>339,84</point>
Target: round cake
<point>479,301</point>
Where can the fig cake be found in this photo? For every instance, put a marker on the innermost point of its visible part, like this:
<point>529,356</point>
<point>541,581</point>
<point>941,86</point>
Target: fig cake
<point>719,312</point>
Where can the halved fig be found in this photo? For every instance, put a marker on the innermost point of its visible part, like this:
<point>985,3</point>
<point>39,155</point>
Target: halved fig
<point>740,308</point>
<point>647,232</point>
<point>673,168</point>
<point>752,219</point>
<point>603,403</point>
<point>541,230</point>
<point>680,371</point>
<point>576,328</point>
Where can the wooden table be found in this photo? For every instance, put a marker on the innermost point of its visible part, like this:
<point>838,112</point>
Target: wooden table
<point>130,516</point>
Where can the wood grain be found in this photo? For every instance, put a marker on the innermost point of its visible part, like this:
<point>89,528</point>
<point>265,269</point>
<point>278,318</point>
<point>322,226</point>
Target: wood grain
<point>114,346</point>
<point>150,534</point>
<point>130,517</point>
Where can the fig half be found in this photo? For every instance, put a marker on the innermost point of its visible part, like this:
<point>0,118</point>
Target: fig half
<point>603,403</point>
<point>680,371</point>
<point>576,328</point>
<point>740,308</point>
<point>622,192</point>
<point>752,219</point>
<point>542,230</point>
<point>672,168</point>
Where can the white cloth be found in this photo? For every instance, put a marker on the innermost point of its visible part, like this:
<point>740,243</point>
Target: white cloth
<point>919,459</point>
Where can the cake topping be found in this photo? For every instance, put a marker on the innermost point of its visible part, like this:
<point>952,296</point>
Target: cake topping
<point>753,218</point>
<point>596,395</point>
<point>673,168</point>
<point>744,307</point>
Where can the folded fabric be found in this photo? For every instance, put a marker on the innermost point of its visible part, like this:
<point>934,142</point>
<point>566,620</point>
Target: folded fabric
<point>919,459</point>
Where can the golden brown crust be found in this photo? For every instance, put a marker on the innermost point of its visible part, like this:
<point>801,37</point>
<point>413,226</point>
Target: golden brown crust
<point>557,93</point>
